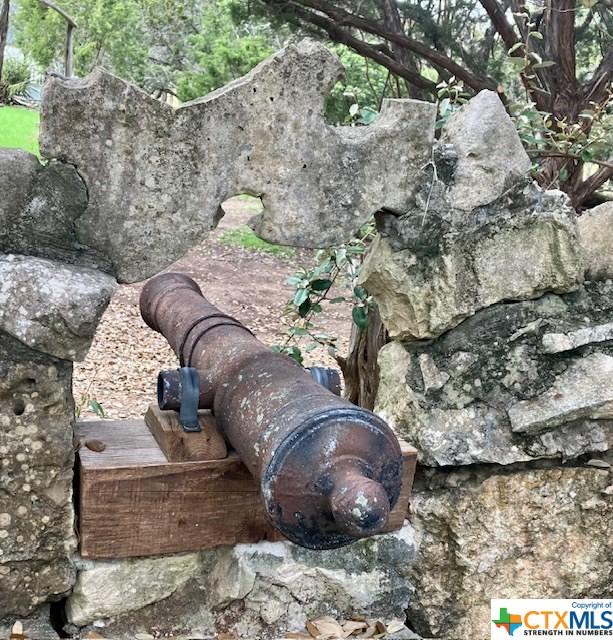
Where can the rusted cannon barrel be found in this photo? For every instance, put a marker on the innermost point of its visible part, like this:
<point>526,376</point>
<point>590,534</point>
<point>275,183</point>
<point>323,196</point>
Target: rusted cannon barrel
<point>329,471</point>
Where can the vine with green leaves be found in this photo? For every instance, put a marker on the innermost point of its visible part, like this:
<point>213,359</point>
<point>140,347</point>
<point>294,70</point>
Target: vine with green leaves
<point>334,279</point>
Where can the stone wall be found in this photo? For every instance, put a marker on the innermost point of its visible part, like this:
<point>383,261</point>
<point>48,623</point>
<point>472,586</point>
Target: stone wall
<point>498,370</point>
<point>499,375</point>
<point>128,186</point>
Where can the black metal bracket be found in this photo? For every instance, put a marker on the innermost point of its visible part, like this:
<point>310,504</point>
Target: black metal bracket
<point>190,398</point>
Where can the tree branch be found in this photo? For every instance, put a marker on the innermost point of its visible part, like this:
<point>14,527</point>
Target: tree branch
<point>500,22</point>
<point>341,17</point>
<point>359,46</point>
<point>596,89</point>
<point>560,154</point>
<point>51,5</point>
<point>588,186</point>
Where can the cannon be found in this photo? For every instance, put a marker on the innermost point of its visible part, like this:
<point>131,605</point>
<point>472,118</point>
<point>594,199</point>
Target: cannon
<point>329,472</point>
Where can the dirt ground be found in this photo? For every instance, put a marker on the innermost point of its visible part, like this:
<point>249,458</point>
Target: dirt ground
<point>121,368</point>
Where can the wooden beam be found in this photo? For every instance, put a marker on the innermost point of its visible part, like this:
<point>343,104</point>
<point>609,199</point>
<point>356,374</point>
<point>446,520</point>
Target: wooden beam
<point>133,502</point>
<point>179,446</point>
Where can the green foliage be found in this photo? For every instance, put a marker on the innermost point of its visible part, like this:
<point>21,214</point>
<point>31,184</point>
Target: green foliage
<point>110,33</point>
<point>220,51</point>
<point>185,46</point>
<point>89,403</point>
<point>364,84</point>
<point>16,78</point>
<point>588,140</point>
<point>336,271</point>
<point>19,128</point>
<point>451,96</point>
<point>244,237</point>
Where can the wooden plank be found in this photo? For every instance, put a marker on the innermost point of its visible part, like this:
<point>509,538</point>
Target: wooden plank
<point>179,446</point>
<point>133,502</point>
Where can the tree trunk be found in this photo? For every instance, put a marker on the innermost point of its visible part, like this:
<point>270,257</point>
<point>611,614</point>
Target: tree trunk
<point>393,24</point>
<point>4,29</point>
<point>360,368</point>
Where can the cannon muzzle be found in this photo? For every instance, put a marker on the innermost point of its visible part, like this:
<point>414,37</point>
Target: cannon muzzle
<point>329,472</point>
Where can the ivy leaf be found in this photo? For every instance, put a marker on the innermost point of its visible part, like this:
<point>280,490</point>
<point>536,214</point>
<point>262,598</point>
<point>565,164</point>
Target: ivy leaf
<point>360,293</point>
<point>353,109</point>
<point>296,354</point>
<point>300,296</point>
<point>96,407</point>
<point>367,116</point>
<point>304,308</point>
<point>360,317</point>
<point>563,175</point>
<point>321,284</point>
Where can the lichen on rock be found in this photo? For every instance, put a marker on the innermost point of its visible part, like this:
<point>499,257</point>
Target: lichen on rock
<point>501,395</point>
<point>433,266</point>
<point>157,176</point>
<point>36,512</point>
<point>50,306</point>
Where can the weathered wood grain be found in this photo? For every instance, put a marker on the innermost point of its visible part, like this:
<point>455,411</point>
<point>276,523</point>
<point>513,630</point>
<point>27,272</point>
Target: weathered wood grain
<point>133,502</point>
<point>179,446</point>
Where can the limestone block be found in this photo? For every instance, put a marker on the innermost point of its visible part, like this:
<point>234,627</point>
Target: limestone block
<point>52,307</point>
<point>582,392</point>
<point>156,176</point>
<point>493,390</point>
<point>253,591</point>
<point>596,235</point>
<point>284,585</point>
<point>432,267</point>
<point>490,155</point>
<point>36,626</point>
<point>36,512</point>
<point>18,171</point>
<point>530,533</point>
<point>108,589</point>
<point>39,210</point>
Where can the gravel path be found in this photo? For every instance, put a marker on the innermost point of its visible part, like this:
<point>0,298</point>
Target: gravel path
<point>121,368</point>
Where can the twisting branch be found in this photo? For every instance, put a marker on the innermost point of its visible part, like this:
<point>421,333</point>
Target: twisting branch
<point>71,25</point>
<point>340,18</point>
<point>359,46</point>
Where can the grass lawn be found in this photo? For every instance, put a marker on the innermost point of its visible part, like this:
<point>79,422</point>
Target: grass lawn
<point>19,128</point>
<point>245,238</point>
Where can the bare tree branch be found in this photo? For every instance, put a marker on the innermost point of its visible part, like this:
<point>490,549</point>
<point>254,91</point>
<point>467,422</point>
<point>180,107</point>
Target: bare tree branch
<point>359,46</point>
<point>342,18</point>
<point>591,184</point>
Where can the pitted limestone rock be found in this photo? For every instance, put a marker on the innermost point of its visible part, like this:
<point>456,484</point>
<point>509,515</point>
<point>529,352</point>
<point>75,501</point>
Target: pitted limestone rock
<point>528,533</point>
<point>490,157</point>
<point>596,236</point>
<point>434,266</point>
<point>18,170</point>
<point>108,589</point>
<point>50,306</point>
<point>36,513</point>
<point>253,590</point>
<point>280,585</point>
<point>37,625</point>
<point>156,176</point>
<point>39,210</point>
<point>515,382</point>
